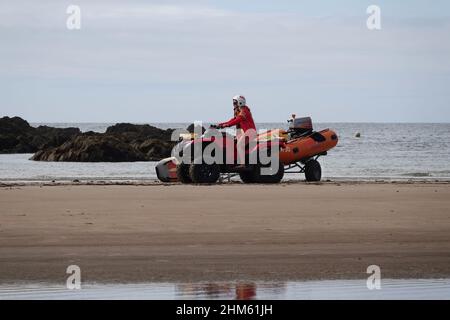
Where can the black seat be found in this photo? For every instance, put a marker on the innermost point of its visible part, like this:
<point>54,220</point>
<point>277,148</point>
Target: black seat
<point>300,132</point>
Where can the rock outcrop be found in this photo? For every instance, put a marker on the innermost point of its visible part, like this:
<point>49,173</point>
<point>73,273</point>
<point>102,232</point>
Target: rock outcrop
<point>17,136</point>
<point>91,147</point>
<point>131,132</point>
<point>120,143</point>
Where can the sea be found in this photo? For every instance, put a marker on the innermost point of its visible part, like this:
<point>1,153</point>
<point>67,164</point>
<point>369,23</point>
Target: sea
<point>384,151</point>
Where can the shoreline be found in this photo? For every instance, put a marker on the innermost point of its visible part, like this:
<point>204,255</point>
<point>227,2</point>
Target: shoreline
<point>156,182</point>
<point>62,284</point>
<point>226,232</point>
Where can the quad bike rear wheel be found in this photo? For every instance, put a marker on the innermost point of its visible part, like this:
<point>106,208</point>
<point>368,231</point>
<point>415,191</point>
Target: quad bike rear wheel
<point>183,173</point>
<point>313,171</point>
<point>256,176</point>
<point>276,176</point>
<point>204,173</point>
<point>247,176</point>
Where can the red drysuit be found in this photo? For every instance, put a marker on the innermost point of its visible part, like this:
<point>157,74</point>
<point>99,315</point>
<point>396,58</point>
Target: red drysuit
<point>244,119</point>
<point>244,123</point>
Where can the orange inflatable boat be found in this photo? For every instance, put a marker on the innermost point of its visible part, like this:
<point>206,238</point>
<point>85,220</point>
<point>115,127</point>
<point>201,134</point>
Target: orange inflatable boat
<point>302,146</point>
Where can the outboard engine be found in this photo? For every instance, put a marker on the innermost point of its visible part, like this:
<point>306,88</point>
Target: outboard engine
<point>299,127</point>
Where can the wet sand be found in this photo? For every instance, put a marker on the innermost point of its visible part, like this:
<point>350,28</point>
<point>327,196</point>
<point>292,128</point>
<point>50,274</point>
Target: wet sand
<point>181,233</point>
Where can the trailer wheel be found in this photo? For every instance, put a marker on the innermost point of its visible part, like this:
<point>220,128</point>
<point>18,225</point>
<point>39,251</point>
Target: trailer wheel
<point>313,171</point>
<point>183,173</point>
<point>204,173</point>
<point>263,178</point>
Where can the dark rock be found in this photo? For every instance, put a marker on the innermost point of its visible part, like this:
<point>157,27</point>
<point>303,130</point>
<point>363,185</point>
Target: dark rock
<point>54,136</point>
<point>156,149</point>
<point>17,136</point>
<point>130,132</point>
<point>91,148</point>
<point>14,125</point>
<point>121,142</point>
<point>191,128</point>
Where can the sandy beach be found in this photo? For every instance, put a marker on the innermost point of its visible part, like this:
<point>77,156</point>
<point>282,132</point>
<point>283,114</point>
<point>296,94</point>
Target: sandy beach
<point>291,231</point>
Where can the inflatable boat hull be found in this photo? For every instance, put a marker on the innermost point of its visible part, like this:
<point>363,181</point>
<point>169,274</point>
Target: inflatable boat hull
<point>304,148</point>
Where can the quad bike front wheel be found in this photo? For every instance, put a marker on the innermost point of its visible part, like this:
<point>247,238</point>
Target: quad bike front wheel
<point>204,173</point>
<point>183,173</point>
<point>313,171</point>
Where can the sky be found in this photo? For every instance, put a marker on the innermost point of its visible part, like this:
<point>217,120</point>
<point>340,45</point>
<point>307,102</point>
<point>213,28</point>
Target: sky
<point>182,61</point>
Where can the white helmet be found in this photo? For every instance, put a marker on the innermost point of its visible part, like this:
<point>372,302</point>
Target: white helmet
<point>239,100</point>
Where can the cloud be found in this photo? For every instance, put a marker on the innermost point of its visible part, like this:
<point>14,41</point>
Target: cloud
<point>170,46</point>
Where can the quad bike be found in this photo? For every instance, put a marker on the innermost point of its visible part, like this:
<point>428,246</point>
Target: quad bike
<point>299,149</point>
